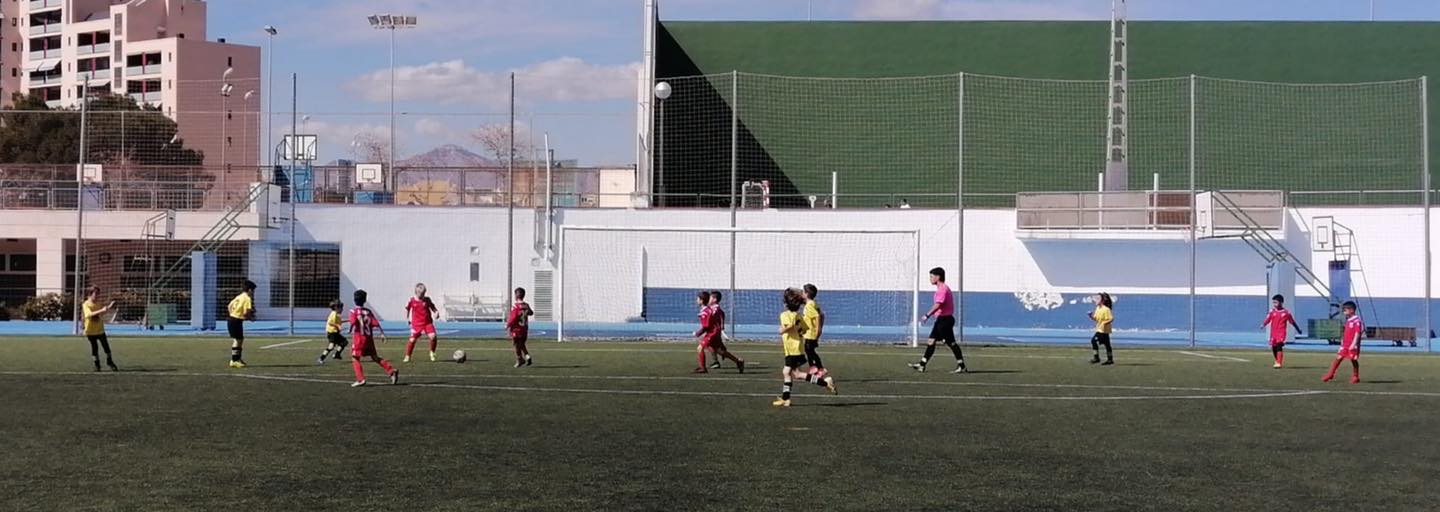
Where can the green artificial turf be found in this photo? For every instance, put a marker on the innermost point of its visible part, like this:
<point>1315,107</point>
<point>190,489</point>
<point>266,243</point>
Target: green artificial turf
<point>624,426</point>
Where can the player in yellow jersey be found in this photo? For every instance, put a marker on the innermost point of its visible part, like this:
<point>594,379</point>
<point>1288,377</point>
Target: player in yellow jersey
<point>1103,318</point>
<point>242,308</point>
<point>792,339</point>
<point>814,321</point>
<point>93,326</point>
<point>332,332</point>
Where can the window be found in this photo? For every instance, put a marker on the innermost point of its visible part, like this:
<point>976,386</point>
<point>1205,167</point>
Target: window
<point>229,61</point>
<point>474,272</point>
<point>119,25</point>
<point>22,262</point>
<point>317,276</point>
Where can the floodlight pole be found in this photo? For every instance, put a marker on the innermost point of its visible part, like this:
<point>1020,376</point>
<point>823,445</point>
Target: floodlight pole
<point>269,105</point>
<point>1425,181</point>
<point>80,209</point>
<point>392,22</point>
<point>294,153</point>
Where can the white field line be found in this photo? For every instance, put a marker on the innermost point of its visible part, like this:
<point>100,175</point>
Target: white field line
<point>296,342</point>
<point>1213,356</point>
<point>969,355</point>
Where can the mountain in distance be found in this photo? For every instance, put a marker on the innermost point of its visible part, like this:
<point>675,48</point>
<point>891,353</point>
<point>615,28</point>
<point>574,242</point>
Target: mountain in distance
<point>449,155</point>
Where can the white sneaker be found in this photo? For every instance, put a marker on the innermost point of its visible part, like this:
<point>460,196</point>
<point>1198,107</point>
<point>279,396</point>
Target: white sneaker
<point>917,367</point>
<point>357,384</point>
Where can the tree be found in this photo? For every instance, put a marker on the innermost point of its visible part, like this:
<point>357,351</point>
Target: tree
<point>495,139</point>
<point>370,147</point>
<point>119,132</point>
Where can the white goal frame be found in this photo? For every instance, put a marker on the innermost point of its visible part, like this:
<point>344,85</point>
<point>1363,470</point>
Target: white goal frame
<point>565,231</point>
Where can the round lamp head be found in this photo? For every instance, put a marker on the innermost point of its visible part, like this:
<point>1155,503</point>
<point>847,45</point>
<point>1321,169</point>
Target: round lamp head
<point>662,91</point>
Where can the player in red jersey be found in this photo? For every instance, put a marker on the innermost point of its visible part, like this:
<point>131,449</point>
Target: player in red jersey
<point>363,325</point>
<point>1279,320</point>
<point>518,323</point>
<point>1349,344</point>
<point>702,299</point>
<point>422,320</point>
<point>714,336</point>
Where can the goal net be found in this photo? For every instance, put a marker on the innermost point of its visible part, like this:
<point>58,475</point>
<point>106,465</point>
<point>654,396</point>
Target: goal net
<point>635,282</point>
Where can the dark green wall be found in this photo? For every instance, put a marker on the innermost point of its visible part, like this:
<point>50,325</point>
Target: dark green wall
<point>1250,136</point>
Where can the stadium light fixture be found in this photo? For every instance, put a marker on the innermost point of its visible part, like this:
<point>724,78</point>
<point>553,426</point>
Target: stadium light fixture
<point>392,22</point>
<point>662,91</point>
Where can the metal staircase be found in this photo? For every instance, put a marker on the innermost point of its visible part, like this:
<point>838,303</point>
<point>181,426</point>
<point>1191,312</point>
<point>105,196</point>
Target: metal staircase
<point>213,239</point>
<point>1271,249</point>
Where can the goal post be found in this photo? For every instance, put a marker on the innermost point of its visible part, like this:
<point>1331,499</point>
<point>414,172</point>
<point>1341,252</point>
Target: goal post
<point>640,282</point>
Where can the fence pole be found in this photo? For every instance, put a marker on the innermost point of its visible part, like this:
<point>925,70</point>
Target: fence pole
<point>959,214</point>
<point>1425,185</point>
<point>1190,164</point>
<point>510,204</point>
<point>734,172</point>
<point>295,153</point>
<point>75,300</point>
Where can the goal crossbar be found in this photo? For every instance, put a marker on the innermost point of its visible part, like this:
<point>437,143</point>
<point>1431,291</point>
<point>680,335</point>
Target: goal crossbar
<point>914,234</point>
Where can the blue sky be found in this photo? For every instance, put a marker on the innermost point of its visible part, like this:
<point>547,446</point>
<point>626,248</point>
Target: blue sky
<point>577,59</point>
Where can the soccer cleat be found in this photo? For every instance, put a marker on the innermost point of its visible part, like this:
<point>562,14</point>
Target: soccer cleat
<point>357,384</point>
<point>780,402</point>
<point>917,367</point>
<point>237,364</point>
<point>320,361</point>
<point>740,366</point>
<point>1354,379</point>
<point>715,365</point>
<point>961,369</point>
<point>700,370</point>
<point>97,365</point>
<point>830,386</point>
<point>1108,362</point>
<point>394,377</point>
<point>407,359</point>
<point>529,361</point>
<point>1095,359</point>
<point>432,356</point>
<point>1277,366</point>
<point>519,364</point>
<point>1326,378</point>
<point>112,366</point>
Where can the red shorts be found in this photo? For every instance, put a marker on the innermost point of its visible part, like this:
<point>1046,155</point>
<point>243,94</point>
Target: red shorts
<point>716,343</point>
<point>1349,351</point>
<point>1275,343</point>
<point>519,336</point>
<point>416,330</point>
<point>363,347</point>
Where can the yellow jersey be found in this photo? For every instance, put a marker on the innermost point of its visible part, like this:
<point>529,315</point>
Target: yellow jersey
<point>241,307</point>
<point>811,320</point>
<point>1103,318</point>
<point>94,325</point>
<point>791,338</point>
<point>332,323</point>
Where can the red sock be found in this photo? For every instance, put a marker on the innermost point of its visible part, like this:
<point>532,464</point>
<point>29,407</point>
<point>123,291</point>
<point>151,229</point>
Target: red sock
<point>410,347</point>
<point>383,364</point>
<point>1333,367</point>
<point>1280,357</point>
<point>433,341</point>
<point>701,356</point>
<point>359,372</point>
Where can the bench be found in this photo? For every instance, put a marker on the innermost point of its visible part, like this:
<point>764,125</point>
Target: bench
<point>1330,329</point>
<point>474,308</point>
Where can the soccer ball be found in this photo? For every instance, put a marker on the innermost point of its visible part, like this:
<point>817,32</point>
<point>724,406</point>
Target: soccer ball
<point>458,356</point>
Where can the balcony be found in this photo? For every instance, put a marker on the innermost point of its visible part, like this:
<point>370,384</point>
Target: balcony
<point>52,103</point>
<point>146,97</point>
<point>99,74</point>
<point>92,49</point>
<point>53,53</point>
<point>40,30</point>
<point>43,80</point>
<point>42,5</point>
<point>138,71</point>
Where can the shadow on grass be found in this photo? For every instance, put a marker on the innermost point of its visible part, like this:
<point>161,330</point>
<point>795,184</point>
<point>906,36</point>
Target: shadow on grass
<point>148,370</point>
<point>558,367</point>
<point>846,404</point>
<point>982,372</point>
<point>1383,381</point>
<point>307,365</point>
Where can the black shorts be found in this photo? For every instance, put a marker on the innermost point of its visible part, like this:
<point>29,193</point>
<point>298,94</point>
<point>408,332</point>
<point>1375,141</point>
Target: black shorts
<point>944,329</point>
<point>98,338</point>
<point>1102,338</point>
<point>811,344</point>
<point>336,339</point>
<point>236,328</point>
<point>795,361</point>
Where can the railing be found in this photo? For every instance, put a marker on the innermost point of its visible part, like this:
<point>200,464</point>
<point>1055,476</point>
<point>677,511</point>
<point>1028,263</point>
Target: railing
<point>60,195</point>
<point>45,79</point>
<point>99,74</point>
<point>90,49</point>
<point>1148,210</point>
<point>36,5</point>
<point>45,54</point>
<point>149,69</point>
<point>146,97</point>
<point>40,30</point>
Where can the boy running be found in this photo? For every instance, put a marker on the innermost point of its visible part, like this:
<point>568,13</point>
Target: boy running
<point>332,332</point>
<point>519,326</point>
<point>944,329</point>
<point>714,336</point>
<point>93,327</point>
<point>814,320</point>
<point>791,340</point>
<point>1279,319</point>
<point>242,308</point>
<point>702,299</point>
<point>1349,344</point>
<point>363,325</point>
<point>1104,319</point>
<point>422,320</point>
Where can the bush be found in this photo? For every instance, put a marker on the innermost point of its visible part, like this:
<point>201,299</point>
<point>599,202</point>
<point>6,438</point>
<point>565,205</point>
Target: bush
<point>4,312</point>
<point>51,306</point>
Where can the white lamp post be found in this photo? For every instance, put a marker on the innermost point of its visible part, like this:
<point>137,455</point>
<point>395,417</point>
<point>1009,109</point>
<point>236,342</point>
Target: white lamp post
<point>662,92</point>
<point>392,22</point>
<point>269,92</point>
<point>225,90</point>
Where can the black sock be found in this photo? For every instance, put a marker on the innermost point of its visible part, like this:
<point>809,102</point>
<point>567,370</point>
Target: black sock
<point>1275,352</point>
<point>959,356</point>
<point>234,353</point>
<point>811,356</point>
<point>785,392</point>
<point>929,351</point>
<point>1108,354</point>
<point>94,350</point>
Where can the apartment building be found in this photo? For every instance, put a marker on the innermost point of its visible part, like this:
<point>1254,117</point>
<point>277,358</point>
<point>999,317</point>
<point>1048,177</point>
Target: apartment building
<point>155,51</point>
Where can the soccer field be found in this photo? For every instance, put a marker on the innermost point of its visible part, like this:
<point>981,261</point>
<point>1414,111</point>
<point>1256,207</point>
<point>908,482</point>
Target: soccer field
<point>624,426</point>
